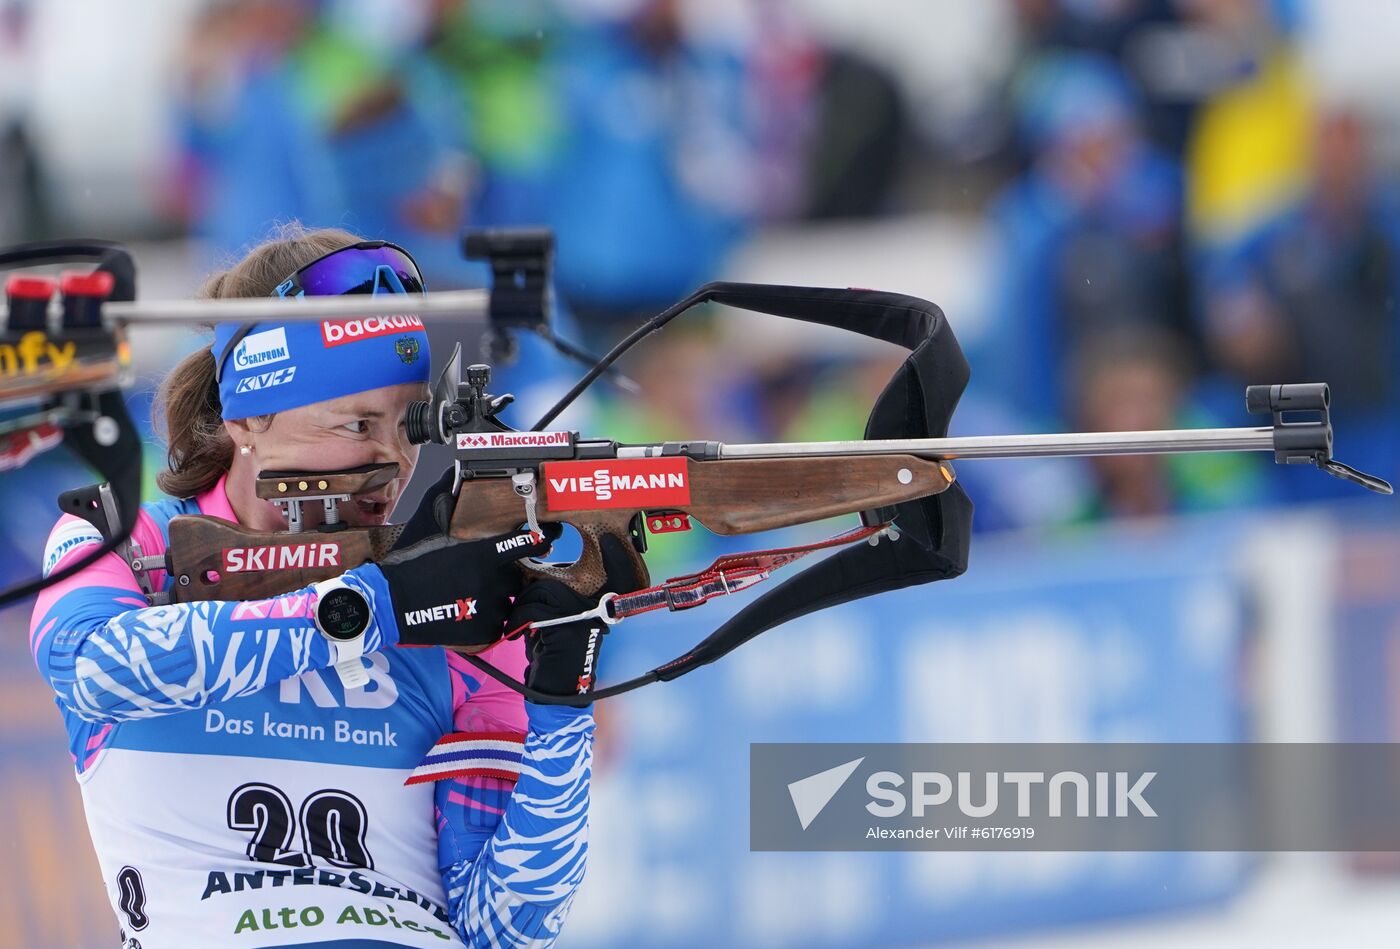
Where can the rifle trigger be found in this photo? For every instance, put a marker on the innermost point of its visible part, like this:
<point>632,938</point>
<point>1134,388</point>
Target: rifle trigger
<point>637,533</point>
<point>524,482</point>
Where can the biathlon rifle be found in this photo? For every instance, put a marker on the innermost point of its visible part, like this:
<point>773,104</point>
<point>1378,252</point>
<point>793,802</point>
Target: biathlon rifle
<point>899,479</point>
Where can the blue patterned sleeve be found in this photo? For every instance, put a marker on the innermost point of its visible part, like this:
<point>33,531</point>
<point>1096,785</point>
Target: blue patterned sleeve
<point>513,858</point>
<point>109,660</point>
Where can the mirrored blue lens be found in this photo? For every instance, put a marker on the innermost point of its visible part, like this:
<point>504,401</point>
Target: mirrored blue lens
<point>361,270</point>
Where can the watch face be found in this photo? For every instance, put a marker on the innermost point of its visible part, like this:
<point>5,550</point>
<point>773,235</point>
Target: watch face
<point>342,613</point>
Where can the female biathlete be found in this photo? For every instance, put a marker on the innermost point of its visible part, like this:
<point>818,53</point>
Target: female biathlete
<point>238,792</point>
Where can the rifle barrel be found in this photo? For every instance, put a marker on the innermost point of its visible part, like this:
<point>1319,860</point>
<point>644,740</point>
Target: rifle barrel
<point>1026,446</point>
<point>470,304</point>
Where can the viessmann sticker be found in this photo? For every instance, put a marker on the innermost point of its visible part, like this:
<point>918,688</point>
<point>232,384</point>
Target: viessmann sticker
<point>629,482</point>
<point>483,441</point>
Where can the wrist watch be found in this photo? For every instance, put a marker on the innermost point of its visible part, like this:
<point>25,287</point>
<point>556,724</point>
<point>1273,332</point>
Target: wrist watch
<point>342,615</point>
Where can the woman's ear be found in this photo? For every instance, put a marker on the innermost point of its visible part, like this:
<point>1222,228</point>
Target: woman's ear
<point>242,435</point>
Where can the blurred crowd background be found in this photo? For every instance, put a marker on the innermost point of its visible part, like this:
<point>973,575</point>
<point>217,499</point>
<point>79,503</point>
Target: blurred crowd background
<point>1129,210</point>
<point>1170,199</point>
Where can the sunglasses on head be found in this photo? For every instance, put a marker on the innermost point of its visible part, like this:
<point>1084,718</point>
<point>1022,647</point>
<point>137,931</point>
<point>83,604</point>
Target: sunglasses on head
<point>367,267</point>
<point>370,267</point>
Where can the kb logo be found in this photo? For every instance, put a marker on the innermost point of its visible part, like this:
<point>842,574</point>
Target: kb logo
<point>379,692</point>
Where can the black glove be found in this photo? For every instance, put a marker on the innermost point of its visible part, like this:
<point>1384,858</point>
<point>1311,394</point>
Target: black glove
<point>563,660</point>
<point>449,592</point>
<point>433,514</point>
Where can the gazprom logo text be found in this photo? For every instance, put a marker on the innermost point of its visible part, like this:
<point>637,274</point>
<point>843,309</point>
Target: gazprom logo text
<point>260,349</point>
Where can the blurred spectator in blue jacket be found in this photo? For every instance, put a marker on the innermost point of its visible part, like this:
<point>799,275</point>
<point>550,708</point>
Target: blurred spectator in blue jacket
<point>494,53</point>
<point>654,174</point>
<point>1150,39</point>
<point>1137,378</point>
<point>325,113</point>
<point>1089,235</point>
<point>249,157</point>
<point>1311,297</point>
<point>392,127</point>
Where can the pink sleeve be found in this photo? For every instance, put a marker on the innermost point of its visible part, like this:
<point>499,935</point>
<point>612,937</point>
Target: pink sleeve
<point>71,539</point>
<point>479,702</point>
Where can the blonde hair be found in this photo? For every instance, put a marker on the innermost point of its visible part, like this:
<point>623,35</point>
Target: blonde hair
<point>187,411</point>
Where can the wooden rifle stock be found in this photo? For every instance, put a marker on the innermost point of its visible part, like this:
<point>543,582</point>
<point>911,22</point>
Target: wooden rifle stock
<point>201,548</point>
<point>727,497</point>
<point>213,559</point>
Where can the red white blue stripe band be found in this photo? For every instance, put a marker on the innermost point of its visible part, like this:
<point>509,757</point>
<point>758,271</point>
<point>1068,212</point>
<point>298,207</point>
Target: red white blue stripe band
<point>472,754</point>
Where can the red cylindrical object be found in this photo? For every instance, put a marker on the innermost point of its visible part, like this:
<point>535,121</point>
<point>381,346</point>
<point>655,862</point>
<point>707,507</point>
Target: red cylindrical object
<point>97,283</point>
<point>31,288</point>
<point>83,294</point>
<point>28,298</point>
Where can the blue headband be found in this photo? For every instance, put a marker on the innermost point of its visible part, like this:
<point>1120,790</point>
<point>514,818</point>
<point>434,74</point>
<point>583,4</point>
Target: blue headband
<point>280,366</point>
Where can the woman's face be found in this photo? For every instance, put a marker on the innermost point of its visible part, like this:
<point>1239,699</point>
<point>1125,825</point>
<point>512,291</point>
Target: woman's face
<point>347,432</point>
